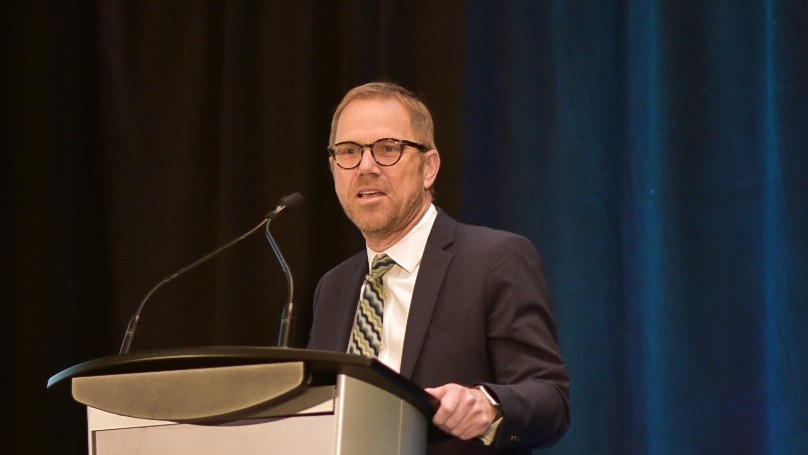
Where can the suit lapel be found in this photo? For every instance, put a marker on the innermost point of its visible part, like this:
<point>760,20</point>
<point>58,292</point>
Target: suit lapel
<point>434,265</point>
<point>347,300</point>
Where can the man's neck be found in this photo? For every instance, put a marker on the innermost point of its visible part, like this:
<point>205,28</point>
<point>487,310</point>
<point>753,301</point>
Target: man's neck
<point>382,243</point>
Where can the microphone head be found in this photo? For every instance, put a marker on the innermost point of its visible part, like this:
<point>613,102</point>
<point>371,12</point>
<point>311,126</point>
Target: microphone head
<point>286,202</point>
<point>291,200</point>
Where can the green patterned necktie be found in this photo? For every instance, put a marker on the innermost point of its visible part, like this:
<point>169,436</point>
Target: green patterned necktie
<point>366,335</point>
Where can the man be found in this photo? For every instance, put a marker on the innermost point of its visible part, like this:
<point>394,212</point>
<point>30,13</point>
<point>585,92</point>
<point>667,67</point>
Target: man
<point>460,310</point>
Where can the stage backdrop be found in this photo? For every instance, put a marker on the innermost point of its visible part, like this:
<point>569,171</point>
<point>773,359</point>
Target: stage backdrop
<point>656,153</point>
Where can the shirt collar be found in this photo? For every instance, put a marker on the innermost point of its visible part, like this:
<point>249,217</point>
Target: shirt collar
<point>408,251</point>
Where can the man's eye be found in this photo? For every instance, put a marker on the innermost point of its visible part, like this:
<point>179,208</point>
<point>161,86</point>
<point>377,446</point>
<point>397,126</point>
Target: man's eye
<point>386,147</point>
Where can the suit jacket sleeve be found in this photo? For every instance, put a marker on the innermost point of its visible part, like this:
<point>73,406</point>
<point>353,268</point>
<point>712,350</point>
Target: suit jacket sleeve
<point>529,376</point>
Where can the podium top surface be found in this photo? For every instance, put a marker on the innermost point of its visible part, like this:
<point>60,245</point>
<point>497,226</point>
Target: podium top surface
<point>322,366</point>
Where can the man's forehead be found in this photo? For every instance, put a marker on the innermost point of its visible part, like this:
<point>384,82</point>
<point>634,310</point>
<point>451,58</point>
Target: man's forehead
<point>374,114</point>
<point>375,102</point>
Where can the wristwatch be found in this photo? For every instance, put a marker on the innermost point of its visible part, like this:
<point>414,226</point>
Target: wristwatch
<point>492,400</point>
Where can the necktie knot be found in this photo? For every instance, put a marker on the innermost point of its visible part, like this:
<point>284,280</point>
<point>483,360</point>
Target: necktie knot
<point>382,264</point>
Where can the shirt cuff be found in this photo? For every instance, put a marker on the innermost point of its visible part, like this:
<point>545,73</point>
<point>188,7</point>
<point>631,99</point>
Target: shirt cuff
<point>490,435</point>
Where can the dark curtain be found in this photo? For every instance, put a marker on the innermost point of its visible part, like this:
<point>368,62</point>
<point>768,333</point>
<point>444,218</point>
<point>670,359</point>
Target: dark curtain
<point>654,151</point>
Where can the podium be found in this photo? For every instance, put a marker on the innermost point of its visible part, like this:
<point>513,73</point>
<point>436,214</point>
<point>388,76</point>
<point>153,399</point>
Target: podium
<point>247,400</point>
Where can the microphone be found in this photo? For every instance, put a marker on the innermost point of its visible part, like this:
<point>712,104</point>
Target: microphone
<point>284,334</point>
<point>285,202</point>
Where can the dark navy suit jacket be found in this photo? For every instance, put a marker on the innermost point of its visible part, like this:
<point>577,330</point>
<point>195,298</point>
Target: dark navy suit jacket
<point>480,314</point>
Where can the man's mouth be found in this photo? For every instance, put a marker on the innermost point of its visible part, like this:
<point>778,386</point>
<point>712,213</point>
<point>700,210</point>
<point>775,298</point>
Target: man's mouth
<point>369,194</point>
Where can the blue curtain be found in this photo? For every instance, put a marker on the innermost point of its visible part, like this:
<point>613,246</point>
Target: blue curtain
<point>657,154</point>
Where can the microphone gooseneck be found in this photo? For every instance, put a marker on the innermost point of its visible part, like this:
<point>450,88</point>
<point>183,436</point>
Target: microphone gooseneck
<point>131,329</point>
<point>284,335</point>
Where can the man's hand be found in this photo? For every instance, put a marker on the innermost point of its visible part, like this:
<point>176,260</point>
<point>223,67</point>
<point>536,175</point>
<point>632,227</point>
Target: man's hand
<point>463,412</point>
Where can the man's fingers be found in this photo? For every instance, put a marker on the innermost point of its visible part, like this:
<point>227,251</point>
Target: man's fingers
<point>461,413</point>
<point>436,392</point>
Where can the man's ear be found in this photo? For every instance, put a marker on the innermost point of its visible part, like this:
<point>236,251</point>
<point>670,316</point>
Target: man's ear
<point>431,168</point>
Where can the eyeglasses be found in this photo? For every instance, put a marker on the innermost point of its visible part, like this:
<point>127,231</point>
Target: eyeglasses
<point>386,152</point>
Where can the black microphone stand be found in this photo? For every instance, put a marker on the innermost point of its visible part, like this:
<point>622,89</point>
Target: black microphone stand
<point>288,310</point>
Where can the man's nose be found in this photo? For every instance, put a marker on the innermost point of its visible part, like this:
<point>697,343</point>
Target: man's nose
<point>367,163</point>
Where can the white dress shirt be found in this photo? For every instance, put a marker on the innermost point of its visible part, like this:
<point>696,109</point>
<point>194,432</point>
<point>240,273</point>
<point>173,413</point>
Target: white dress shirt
<point>399,283</point>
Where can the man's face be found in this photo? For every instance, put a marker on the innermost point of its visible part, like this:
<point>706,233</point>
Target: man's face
<point>384,202</point>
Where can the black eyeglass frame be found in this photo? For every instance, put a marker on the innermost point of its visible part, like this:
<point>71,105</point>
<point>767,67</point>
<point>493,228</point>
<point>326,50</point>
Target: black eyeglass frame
<point>403,143</point>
